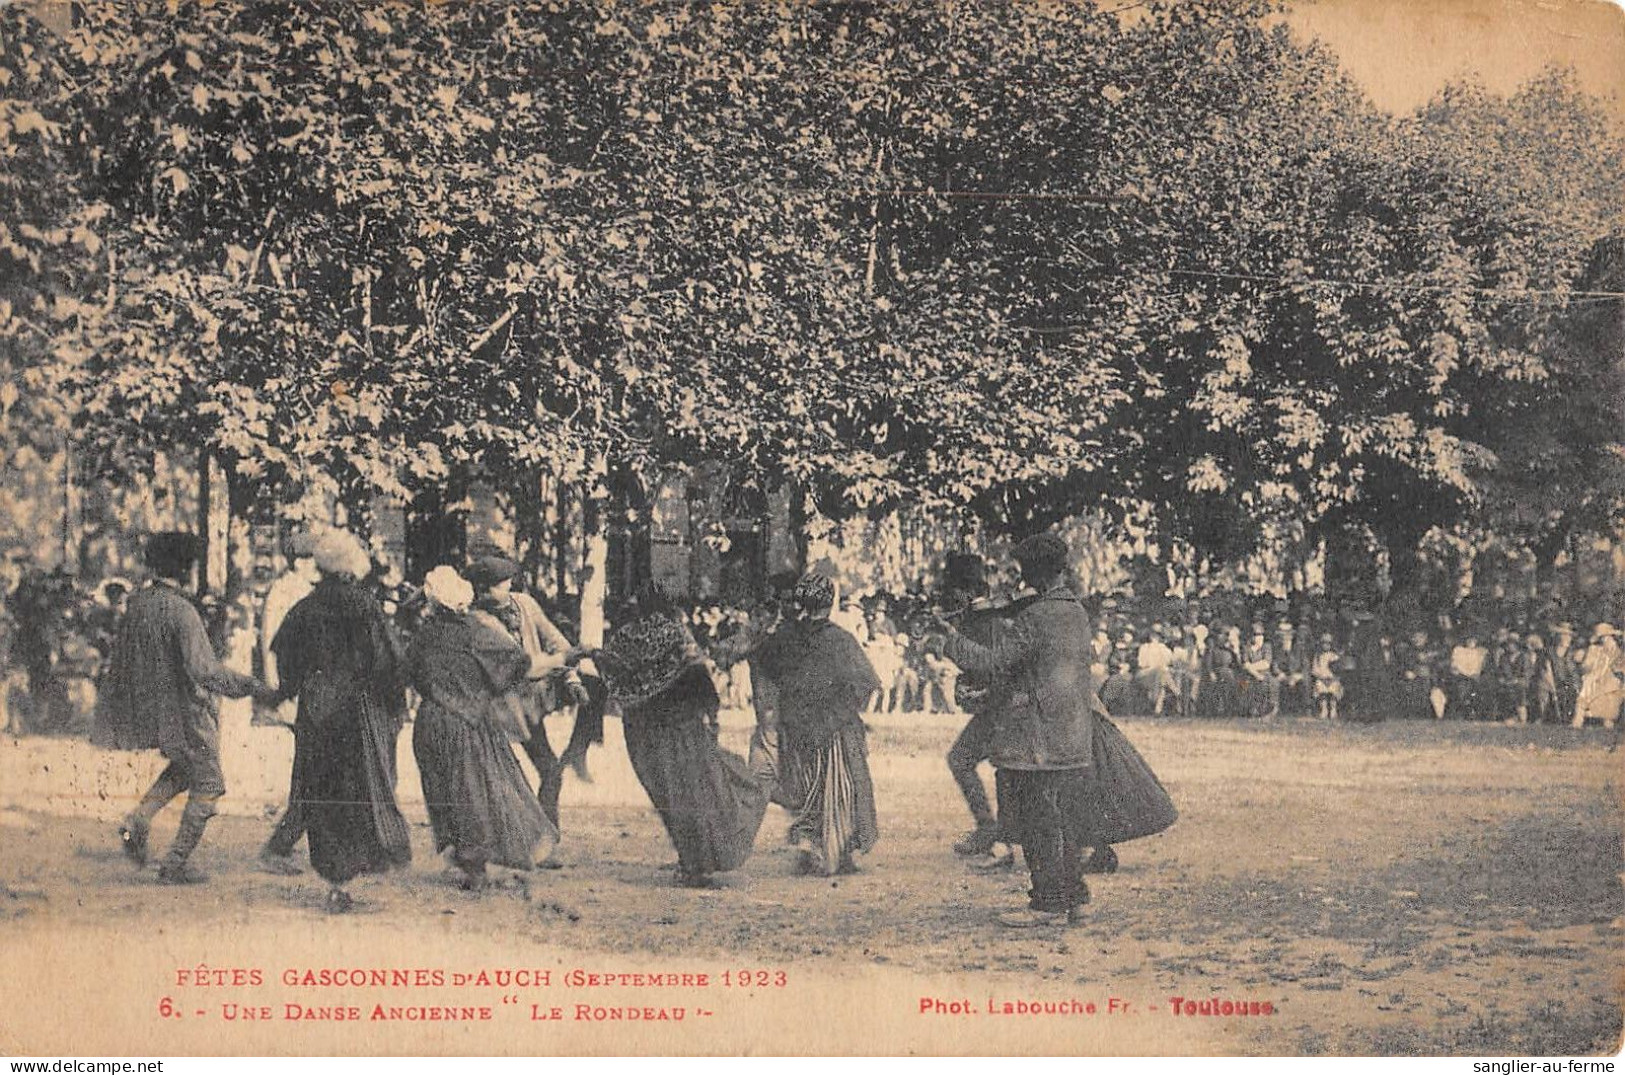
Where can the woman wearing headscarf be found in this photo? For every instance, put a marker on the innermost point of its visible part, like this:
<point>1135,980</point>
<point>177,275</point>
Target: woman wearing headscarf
<point>706,797</point>
<point>334,653</point>
<point>480,805</point>
<point>824,681</point>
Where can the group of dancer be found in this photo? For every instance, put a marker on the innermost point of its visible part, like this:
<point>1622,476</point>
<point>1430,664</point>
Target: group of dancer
<point>487,666</point>
<point>477,680</point>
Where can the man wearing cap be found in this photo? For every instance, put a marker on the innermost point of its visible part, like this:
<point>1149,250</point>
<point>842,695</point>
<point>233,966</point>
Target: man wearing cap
<point>550,683</point>
<point>1042,742</point>
<point>160,691</point>
<point>964,597</point>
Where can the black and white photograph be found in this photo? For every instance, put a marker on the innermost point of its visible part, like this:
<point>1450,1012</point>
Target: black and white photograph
<point>1084,528</point>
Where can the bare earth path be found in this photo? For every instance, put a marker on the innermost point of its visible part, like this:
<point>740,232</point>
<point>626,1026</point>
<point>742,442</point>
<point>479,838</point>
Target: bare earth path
<point>1397,888</point>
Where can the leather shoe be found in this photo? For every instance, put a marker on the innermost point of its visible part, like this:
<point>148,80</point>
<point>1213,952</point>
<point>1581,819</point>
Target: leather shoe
<point>133,837</point>
<point>976,842</point>
<point>181,875</point>
<point>1001,864</point>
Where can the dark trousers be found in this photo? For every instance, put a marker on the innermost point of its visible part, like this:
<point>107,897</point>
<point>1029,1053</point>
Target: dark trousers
<point>548,769</point>
<point>197,774</point>
<point>969,751</point>
<point>589,724</point>
<point>1047,812</point>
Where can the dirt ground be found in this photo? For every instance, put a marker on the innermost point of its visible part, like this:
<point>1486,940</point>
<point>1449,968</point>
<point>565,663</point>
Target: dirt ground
<point>1400,888</point>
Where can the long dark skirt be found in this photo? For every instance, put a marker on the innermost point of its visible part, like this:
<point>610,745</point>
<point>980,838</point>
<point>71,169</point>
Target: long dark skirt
<point>1123,797</point>
<point>706,797</point>
<point>480,804</point>
<point>829,777</point>
<point>346,785</point>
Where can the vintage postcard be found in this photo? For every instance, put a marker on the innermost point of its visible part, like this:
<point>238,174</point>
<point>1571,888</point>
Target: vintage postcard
<point>571,527</point>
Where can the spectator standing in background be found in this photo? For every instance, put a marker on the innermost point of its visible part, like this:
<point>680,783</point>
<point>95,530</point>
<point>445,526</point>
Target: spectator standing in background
<point>1600,682</point>
<point>1468,660</point>
<point>1259,697</point>
<point>1290,669</point>
<point>1565,671</point>
<point>1153,660</point>
<point>1328,683</point>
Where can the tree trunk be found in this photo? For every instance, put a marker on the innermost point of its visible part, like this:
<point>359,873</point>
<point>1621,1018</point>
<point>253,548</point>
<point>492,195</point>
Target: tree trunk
<point>798,526</point>
<point>214,525</point>
<point>214,541</point>
<point>70,543</point>
<point>434,535</point>
<point>595,550</point>
<point>563,548</point>
<point>630,544</point>
<point>529,509</point>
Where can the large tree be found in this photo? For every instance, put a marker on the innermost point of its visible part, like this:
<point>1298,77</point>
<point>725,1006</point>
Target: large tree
<point>1013,262</point>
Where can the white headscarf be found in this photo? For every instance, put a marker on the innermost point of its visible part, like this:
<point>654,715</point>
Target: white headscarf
<point>446,588</point>
<point>339,552</point>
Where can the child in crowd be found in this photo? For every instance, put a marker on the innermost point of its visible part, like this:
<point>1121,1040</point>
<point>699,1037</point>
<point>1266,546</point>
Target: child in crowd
<point>1328,687</point>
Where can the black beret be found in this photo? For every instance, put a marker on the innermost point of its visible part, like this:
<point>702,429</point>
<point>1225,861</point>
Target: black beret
<point>965,571</point>
<point>487,571</point>
<point>1043,550</point>
<point>172,552</point>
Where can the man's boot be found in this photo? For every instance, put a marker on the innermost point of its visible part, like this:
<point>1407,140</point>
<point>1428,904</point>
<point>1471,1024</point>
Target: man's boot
<point>138,823</point>
<point>194,819</point>
<point>979,841</point>
<point>277,854</point>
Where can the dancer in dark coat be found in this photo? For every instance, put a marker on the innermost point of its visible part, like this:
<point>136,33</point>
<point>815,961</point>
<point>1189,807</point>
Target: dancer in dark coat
<point>480,804</point>
<point>1067,779</point>
<point>824,681</point>
<point>335,655</point>
<point>706,797</point>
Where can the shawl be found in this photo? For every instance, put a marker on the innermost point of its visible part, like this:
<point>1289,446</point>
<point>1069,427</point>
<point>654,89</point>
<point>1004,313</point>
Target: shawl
<point>339,630</point>
<point>824,680</point>
<point>643,658</point>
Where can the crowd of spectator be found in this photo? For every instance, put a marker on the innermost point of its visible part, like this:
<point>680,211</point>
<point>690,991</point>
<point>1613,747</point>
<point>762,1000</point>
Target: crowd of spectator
<point>1321,663</point>
<point>1222,661</point>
